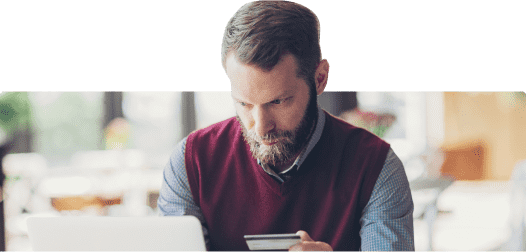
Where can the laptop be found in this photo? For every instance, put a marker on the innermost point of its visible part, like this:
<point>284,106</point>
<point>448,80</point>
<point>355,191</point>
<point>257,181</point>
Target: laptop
<point>116,233</point>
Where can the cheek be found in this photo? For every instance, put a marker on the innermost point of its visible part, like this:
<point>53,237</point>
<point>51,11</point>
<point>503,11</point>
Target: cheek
<point>290,118</point>
<point>245,117</point>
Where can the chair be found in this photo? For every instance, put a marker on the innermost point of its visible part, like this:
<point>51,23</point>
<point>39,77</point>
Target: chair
<point>427,187</point>
<point>517,240</point>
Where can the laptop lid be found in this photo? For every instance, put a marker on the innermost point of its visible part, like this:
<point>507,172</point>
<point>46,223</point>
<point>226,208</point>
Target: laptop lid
<point>116,233</point>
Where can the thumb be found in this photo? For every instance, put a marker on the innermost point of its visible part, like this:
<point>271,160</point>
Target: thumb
<point>304,236</point>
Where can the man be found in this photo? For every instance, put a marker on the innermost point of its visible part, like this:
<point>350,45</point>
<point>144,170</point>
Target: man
<point>283,165</point>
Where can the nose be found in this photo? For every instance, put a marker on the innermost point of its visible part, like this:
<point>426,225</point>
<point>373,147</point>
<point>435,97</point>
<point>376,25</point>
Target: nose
<point>263,121</point>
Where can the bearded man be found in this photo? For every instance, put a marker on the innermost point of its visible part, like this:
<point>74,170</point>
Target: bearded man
<point>284,165</point>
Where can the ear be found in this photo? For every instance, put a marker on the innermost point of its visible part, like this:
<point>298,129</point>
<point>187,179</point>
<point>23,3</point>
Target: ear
<point>321,76</point>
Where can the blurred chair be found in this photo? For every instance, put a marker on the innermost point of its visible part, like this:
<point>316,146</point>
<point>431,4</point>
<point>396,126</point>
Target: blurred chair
<point>26,164</point>
<point>76,194</point>
<point>465,158</point>
<point>517,240</point>
<point>111,179</point>
<point>427,184</point>
<point>24,172</point>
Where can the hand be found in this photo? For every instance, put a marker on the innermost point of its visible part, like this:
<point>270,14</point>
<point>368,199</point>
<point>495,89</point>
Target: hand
<point>307,244</point>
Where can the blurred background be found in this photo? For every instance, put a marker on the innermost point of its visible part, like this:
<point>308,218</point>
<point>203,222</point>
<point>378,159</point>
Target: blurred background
<point>102,154</point>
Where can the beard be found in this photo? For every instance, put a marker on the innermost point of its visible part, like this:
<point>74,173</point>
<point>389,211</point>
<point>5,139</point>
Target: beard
<point>290,143</point>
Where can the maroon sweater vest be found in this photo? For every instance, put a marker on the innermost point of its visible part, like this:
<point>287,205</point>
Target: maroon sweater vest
<point>325,197</point>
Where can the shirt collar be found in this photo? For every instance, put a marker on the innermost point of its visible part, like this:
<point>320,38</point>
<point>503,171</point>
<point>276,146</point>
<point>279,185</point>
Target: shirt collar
<point>316,135</point>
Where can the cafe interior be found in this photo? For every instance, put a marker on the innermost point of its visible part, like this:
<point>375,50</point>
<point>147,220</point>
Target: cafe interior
<point>103,153</point>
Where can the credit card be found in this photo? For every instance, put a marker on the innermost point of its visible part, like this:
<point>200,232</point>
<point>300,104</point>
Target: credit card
<point>272,241</point>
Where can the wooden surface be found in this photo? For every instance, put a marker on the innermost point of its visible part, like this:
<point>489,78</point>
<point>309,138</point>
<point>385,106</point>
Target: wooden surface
<point>490,122</point>
<point>81,202</point>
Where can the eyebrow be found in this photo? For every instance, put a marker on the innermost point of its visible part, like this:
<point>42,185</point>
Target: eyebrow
<point>279,97</point>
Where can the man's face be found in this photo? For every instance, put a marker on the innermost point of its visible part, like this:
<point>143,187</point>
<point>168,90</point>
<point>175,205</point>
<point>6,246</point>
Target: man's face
<point>275,109</point>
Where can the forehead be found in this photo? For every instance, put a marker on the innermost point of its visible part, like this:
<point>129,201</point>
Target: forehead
<point>252,84</point>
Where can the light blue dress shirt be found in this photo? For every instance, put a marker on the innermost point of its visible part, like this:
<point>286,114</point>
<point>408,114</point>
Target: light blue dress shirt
<point>386,222</point>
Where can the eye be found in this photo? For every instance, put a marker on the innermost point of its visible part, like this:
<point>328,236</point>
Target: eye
<point>276,101</point>
<point>242,104</point>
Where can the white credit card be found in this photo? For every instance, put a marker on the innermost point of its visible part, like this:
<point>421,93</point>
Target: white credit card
<point>272,241</point>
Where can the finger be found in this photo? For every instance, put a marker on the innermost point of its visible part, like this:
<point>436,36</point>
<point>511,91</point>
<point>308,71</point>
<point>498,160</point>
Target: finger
<point>297,247</point>
<point>302,246</point>
<point>311,246</point>
<point>304,236</point>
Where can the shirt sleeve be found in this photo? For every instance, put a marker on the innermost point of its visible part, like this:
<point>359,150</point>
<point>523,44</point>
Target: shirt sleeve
<point>175,196</point>
<point>387,219</point>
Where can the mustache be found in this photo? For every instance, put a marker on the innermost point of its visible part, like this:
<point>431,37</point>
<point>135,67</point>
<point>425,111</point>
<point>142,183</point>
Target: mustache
<point>271,136</point>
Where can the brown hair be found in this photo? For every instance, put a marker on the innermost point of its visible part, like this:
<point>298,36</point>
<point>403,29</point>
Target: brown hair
<point>261,32</point>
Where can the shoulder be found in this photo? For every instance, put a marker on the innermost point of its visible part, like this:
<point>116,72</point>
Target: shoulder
<point>215,140</point>
<point>393,170</point>
<point>226,127</point>
<point>391,197</point>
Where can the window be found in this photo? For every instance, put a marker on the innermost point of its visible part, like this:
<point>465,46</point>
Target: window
<point>155,123</point>
<point>212,107</point>
<point>407,135</point>
<point>66,122</point>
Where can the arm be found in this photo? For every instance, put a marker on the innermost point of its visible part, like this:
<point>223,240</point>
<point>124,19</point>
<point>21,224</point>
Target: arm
<point>387,219</point>
<point>175,197</point>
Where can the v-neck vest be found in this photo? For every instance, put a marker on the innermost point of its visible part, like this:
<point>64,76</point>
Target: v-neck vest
<point>325,197</point>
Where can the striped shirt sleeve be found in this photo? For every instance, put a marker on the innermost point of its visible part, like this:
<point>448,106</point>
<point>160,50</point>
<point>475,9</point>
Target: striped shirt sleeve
<point>175,196</point>
<point>387,219</point>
